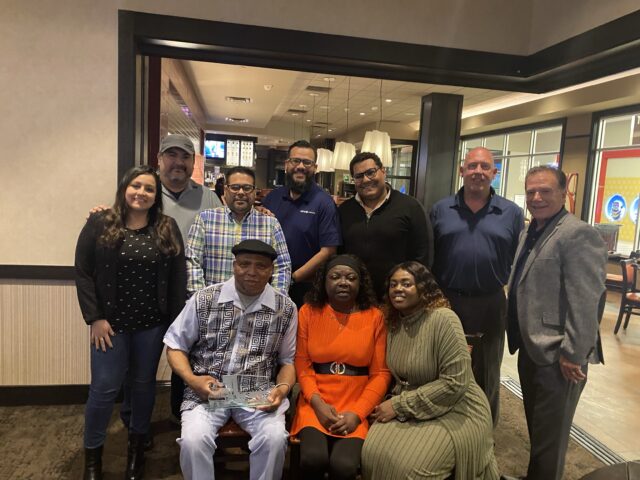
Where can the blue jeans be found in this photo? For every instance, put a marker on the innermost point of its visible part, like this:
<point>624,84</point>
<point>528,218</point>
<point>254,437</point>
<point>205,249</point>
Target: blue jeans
<point>138,354</point>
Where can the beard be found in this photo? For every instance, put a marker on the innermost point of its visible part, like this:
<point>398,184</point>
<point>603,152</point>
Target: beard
<point>298,187</point>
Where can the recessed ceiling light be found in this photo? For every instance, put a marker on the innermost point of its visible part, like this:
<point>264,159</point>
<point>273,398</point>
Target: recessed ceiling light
<point>238,99</point>
<point>374,108</point>
<point>362,114</point>
<point>268,87</point>
<point>314,94</point>
<point>331,129</point>
<point>318,136</point>
<point>409,114</point>
<point>329,79</point>
<point>346,109</point>
<point>236,120</point>
<point>324,107</point>
<point>294,114</point>
<point>388,100</point>
<point>308,120</point>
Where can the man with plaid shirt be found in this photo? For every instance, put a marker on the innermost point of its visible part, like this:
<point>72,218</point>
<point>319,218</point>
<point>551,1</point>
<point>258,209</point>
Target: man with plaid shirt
<point>242,326</point>
<point>215,231</point>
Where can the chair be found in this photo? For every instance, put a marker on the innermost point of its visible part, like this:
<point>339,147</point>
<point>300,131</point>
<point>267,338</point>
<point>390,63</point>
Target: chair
<point>232,444</point>
<point>630,296</point>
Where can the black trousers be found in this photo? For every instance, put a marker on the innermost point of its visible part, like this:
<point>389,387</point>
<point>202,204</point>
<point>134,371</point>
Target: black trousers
<point>486,314</point>
<point>550,402</point>
<point>320,453</point>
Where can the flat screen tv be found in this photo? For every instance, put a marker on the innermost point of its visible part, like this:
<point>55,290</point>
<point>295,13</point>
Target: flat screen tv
<point>214,148</point>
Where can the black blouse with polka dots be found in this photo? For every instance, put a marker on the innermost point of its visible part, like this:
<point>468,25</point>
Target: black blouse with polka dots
<point>137,306</point>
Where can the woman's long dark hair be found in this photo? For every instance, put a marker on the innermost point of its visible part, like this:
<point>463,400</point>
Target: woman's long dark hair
<point>431,296</point>
<point>317,296</point>
<point>115,219</point>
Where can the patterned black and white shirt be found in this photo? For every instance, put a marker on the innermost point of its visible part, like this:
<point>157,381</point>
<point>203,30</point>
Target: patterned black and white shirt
<point>222,338</point>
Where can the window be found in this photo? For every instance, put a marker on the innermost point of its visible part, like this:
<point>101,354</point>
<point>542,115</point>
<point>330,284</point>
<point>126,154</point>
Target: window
<point>616,181</point>
<point>514,153</point>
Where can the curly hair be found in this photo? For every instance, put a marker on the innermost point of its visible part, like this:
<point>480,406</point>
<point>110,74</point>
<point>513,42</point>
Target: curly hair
<point>431,296</point>
<point>317,296</point>
<point>160,225</point>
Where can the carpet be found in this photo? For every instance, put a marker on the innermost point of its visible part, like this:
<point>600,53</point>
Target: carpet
<point>45,442</point>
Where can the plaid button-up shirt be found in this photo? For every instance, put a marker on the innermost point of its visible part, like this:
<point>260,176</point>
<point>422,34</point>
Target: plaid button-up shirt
<point>211,237</point>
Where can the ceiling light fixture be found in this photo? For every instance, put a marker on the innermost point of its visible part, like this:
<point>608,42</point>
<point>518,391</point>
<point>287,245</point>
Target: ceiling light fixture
<point>379,142</point>
<point>344,152</point>
<point>236,120</point>
<point>325,156</point>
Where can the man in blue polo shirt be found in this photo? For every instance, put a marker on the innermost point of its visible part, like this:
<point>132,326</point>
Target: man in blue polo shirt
<point>308,216</point>
<point>476,235</point>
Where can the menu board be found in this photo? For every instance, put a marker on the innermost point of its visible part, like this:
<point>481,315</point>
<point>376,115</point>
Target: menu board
<point>233,153</point>
<point>246,154</point>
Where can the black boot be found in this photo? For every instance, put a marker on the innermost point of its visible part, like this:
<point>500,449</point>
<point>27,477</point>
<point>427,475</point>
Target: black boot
<point>135,457</point>
<point>92,463</point>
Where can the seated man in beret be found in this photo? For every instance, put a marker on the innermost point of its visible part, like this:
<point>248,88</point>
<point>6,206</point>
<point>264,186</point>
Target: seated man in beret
<point>241,326</point>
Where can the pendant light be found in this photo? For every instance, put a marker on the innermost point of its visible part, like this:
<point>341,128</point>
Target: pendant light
<point>344,152</point>
<point>378,142</point>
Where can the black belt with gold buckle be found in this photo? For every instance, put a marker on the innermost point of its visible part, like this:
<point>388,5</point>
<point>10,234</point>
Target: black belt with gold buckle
<point>338,368</point>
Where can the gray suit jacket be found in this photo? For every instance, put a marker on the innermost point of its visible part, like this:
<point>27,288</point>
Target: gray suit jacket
<point>560,295</point>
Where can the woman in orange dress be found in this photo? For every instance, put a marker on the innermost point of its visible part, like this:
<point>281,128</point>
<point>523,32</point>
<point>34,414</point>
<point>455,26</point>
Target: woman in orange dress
<point>340,363</point>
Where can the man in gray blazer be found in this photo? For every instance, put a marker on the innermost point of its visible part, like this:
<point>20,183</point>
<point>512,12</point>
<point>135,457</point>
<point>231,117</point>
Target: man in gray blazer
<point>556,298</point>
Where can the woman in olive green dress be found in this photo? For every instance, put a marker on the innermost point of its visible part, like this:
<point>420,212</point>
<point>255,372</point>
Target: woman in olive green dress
<point>438,420</point>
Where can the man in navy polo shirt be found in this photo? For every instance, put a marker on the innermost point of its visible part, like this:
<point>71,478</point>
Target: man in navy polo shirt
<point>308,217</point>
<point>476,235</point>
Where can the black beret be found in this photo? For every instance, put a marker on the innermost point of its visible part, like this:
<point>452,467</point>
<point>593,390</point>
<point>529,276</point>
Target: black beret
<point>254,246</point>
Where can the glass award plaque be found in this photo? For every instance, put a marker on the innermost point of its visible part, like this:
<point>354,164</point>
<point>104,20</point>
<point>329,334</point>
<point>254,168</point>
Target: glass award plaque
<point>241,391</point>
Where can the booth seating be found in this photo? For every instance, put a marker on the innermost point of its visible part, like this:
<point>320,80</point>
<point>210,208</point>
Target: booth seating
<point>630,295</point>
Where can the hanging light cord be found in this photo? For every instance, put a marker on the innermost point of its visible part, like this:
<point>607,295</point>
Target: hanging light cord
<point>380,121</point>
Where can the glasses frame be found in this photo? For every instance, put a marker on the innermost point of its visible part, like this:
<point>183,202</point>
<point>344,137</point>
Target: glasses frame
<point>240,187</point>
<point>304,161</point>
<point>370,173</point>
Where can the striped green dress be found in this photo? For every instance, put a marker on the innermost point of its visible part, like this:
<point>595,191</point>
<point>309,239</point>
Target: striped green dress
<point>448,421</point>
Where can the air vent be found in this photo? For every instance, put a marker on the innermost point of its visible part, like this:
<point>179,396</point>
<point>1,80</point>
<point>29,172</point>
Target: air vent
<point>296,110</point>
<point>320,124</point>
<point>313,88</point>
<point>238,99</point>
<point>236,120</point>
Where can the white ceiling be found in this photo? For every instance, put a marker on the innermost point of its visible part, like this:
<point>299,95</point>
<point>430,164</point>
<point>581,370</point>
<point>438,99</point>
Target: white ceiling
<point>268,116</point>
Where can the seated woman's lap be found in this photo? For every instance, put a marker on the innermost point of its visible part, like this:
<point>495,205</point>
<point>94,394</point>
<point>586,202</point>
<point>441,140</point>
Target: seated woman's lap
<point>320,453</point>
<point>397,450</point>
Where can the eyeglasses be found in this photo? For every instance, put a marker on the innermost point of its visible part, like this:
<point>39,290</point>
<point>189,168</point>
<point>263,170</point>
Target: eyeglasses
<point>370,174</point>
<point>304,161</point>
<point>246,188</point>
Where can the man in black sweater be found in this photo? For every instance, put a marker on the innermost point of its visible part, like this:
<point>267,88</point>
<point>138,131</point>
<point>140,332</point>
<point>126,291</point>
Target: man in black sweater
<point>381,225</point>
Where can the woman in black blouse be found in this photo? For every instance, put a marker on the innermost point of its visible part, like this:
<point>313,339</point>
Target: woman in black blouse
<point>131,283</point>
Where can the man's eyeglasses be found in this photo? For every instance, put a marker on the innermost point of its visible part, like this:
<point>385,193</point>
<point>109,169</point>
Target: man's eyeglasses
<point>304,161</point>
<point>246,188</point>
<point>370,174</point>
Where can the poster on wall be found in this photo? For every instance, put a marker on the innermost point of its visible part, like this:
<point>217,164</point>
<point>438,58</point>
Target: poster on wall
<point>495,183</point>
<point>246,153</point>
<point>233,153</point>
<point>633,211</point>
<point>615,208</point>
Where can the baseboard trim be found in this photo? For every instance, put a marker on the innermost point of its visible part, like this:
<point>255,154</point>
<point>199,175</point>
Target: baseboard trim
<point>19,395</point>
